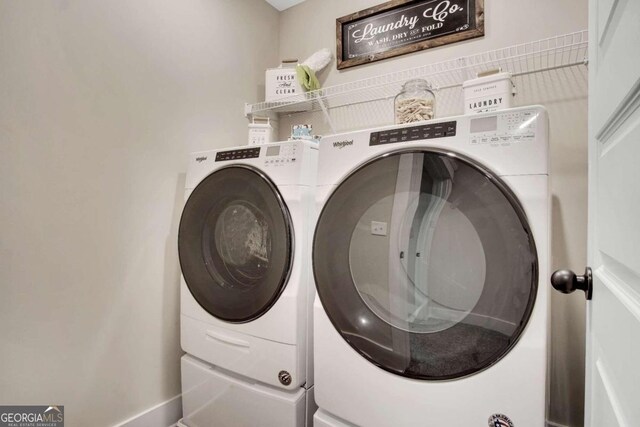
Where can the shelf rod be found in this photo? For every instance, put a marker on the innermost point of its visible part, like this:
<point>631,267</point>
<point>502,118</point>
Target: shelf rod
<point>584,62</point>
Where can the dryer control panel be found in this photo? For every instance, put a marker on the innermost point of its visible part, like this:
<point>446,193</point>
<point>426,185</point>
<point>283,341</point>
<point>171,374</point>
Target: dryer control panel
<point>280,155</point>
<point>504,128</point>
<point>413,133</point>
<point>246,153</point>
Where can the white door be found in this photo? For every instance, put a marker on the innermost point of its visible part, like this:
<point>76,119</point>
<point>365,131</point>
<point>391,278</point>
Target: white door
<point>613,314</point>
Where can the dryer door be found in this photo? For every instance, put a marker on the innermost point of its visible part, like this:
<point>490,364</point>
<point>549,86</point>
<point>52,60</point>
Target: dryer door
<point>235,243</point>
<point>425,264</point>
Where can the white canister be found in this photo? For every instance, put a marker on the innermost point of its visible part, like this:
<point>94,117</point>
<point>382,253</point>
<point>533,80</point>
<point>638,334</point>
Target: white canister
<point>260,131</point>
<point>488,93</point>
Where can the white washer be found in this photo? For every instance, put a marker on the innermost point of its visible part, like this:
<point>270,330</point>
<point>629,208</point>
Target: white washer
<point>431,260</point>
<point>246,291</point>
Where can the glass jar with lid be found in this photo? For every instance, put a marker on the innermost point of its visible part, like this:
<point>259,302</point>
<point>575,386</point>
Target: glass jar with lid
<point>415,102</point>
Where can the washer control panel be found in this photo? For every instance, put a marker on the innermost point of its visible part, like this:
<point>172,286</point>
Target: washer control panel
<point>281,155</point>
<point>245,153</point>
<point>414,133</point>
<point>504,128</point>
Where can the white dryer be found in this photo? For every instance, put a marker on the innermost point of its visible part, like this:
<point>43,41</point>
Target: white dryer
<point>246,291</point>
<point>431,259</point>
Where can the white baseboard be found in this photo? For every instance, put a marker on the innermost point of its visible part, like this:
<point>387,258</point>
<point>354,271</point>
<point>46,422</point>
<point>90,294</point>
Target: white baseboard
<point>163,415</point>
<point>554,424</point>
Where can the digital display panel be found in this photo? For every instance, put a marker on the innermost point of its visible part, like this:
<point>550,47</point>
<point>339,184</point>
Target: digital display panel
<point>273,151</point>
<point>484,124</point>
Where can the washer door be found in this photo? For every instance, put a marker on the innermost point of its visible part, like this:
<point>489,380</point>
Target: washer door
<point>235,244</point>
<point>425,264</point>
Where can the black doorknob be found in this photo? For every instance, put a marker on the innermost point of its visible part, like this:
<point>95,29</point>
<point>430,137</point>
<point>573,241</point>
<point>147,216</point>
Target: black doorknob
<point>566,281</point>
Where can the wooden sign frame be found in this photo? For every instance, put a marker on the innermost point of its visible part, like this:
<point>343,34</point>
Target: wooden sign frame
<point>435,23</point>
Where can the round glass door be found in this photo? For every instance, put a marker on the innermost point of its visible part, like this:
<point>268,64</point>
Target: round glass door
<point>425,264</point>
<point>235,244</point>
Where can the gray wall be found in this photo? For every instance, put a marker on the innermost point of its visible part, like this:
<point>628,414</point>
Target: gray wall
<point>100,102</point>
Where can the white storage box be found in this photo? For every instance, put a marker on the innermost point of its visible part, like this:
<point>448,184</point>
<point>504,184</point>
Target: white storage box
<point>281,86</point>
<point>282,83</point>
<point>488,93</point>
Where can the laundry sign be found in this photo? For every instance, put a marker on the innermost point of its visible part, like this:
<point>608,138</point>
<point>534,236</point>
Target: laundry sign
<point>404,26</point>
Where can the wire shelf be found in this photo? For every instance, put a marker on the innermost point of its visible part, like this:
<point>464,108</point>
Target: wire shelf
<point>542,55</point>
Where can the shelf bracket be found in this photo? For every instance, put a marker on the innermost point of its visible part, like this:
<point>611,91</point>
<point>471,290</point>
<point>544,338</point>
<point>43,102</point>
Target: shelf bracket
<point>325,112</point>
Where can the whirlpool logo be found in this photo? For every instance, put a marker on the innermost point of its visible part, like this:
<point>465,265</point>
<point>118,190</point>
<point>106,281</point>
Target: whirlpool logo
<point>342,144</point>
<point>500,420</point>
<point>201,159</point>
